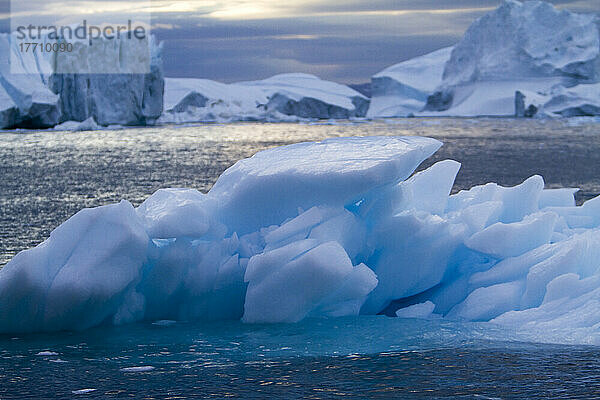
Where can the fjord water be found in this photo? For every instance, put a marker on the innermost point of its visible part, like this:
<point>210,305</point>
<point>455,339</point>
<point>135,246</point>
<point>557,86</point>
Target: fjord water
<point>48,176</point>
<point>364,357</point>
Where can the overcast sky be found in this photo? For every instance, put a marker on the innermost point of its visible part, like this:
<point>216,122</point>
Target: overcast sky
<point>344,40</point>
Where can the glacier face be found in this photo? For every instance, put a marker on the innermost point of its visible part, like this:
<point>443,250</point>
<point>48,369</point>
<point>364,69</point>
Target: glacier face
<point>284,97</point>
<point>31,97</point>
<point>333,228</point>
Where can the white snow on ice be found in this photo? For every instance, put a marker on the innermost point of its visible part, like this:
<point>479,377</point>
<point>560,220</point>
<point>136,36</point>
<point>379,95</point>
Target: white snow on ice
<point>145,368</point>
<point>46,353</point>
<point>83,391</point>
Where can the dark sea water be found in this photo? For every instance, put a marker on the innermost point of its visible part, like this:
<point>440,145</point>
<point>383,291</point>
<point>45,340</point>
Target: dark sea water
<point>364,357</point>
<point>48,176</point>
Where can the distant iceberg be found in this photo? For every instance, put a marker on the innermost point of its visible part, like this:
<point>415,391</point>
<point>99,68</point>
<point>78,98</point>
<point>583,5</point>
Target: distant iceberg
<point>284,97</point>
<point>333,228</point>
<point>204,100</point>
<point>25,99</point>
<point>33,95</point>
<point>519,48</point>
<point>579,101</point>
<point>117,96</point>
<point>402,89</point>
<point>524,40</point>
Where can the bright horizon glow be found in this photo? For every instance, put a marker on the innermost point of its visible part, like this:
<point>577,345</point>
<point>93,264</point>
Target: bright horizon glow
<point>219,9</point>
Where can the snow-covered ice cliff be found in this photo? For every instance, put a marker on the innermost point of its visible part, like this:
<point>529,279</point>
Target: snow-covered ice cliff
<point>306,96</point>
<point>333,228</point>
<point>195,100</point>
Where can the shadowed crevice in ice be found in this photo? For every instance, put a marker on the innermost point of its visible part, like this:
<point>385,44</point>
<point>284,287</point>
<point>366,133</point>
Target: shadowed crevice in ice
<point>333,228</point>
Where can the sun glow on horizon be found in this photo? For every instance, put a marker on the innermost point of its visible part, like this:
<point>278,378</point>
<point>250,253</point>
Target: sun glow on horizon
<point>221,9</point>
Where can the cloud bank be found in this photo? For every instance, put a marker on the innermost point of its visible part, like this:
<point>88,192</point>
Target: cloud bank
<point>345,41</point>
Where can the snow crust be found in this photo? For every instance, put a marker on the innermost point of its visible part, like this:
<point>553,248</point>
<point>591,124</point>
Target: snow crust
<point>333,228</point>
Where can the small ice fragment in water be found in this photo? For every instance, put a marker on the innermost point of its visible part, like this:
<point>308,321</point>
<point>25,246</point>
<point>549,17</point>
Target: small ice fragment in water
<point>83,391</point>
<point>144,368</point>
<point>46,353</point>
<point>164,322</point>
<point>421,310</point>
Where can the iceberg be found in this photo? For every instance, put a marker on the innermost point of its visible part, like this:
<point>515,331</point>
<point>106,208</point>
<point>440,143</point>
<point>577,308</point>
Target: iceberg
<point>306,96</point>
<point>204,100</point>
<point>544,42</point>
<point>25,100</point>
<point>487,67</point>
<point>284,97</point>
<point>550,53</point>
<point>402,89</point>
<point>486,98</point>
<point>9,112</point>
<point>335,228</point>
<point>35,94</point>
<point>116,95</point>
<point>579,101</point>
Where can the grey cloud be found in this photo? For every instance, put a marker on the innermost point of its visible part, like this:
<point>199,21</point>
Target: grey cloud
<point>343,41</point>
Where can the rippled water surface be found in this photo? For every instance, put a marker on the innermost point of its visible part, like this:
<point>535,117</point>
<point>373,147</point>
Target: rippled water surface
<point>365,357</point>
<point>48,176</point>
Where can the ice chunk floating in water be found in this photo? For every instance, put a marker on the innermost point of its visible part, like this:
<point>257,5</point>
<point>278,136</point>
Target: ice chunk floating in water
<point>335,228</point>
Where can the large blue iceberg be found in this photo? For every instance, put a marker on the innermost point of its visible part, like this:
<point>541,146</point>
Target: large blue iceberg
<point>334,228</point>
